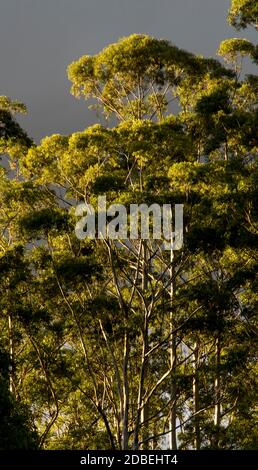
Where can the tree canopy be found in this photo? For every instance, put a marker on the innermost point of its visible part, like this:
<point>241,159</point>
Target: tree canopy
<point>122,344</point>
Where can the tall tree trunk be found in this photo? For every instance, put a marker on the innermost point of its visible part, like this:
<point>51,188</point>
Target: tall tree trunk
<point>173,407</point>
<point>196,396</point>
<point>173,360</point>
<point>226,151</point>
<point>138,419</point>
<point>141,423</point>
<point>217,388</point>
<point>125,423</point>
<point>11,354</point>
<point>145,409</point>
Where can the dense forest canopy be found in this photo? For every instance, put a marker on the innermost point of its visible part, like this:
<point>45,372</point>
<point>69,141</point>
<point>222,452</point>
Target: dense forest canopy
<point>108,345</point>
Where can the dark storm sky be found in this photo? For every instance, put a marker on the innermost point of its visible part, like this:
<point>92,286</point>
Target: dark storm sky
<point>39,38</point>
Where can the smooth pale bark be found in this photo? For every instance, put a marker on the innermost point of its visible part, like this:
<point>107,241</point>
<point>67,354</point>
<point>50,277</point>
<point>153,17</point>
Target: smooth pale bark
<point>173,360</point>
<point>217,390</point>
<point>125,422</point>
<point>196,396</point>
<point>142,412</point>
<point>173,408</point>
<point>138,421</point>
<point>11,354</point>
<point>145,408</point>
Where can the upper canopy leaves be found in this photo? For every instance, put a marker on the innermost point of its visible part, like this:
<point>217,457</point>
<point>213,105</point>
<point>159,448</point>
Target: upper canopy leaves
<point>243,13</point>
<point>134,78</point>
<point>12,136</point>
<point>233,48</point>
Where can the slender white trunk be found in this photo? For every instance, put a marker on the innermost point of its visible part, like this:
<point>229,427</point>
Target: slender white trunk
<point>125,418</point>
<point>217,388</point>
<point>11,353</point>
<point>141,429</point>
<point>145,409</point>
<point>173,359</point>
<point>196,397</point>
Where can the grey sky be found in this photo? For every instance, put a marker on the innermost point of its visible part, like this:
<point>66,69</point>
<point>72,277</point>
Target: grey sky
<point>39,38</point>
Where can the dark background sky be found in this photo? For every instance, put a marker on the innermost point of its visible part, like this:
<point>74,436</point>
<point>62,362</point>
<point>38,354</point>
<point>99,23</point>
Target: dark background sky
<point>39,38</point>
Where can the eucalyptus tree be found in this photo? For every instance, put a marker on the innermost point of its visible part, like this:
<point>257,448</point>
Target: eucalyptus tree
<point>243,13</point>
<point>139,335</point>
<point>121,343</point>
<point>17,428</point>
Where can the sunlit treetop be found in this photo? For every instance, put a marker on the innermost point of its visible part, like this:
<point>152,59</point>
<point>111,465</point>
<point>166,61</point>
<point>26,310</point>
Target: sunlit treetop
<point>136,77</point>
<point>243,13</point>
<point>235,48</point>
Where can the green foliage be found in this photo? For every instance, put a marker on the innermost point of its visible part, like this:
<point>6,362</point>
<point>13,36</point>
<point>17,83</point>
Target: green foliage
<point>12,136</point>
<point>16,425</point>
<point>231,49</point>
<point>99,333</point>
<point>135,78</point>
<point>243,13</point>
